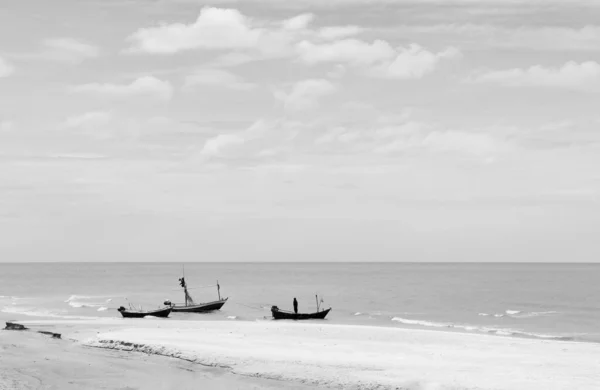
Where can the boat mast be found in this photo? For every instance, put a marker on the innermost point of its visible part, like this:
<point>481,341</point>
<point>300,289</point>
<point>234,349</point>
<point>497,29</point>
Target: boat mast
<point>218,290</point>
<point>184,285</point>
<point>317,299</point>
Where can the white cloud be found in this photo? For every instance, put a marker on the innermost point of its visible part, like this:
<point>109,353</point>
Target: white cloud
<point>378,58</point>
<point>146,85</point>
<point>572,75</point>
<point>351,51</point>
<point>232,59</point>
<point>339,32</point>
<point>264,139</point>
<point>68,50</point>
<point>299,22</point>
<point>210,76</point>
<point>214,28</point>
<point>484,36</point>
<point>88,120</point>
<point>216,146</point>
<point>444,141</point>
<point>6,69</point>
<point>305,94</point>
<point>414,62</point>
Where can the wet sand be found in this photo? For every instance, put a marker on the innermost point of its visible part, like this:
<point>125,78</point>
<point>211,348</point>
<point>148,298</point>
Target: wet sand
<point>174,354</point>
<point>30,360</point>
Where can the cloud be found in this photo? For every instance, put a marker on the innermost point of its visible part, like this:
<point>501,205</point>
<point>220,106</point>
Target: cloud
<point>305,94</point>
<point>414,62</point>
<point>216,146</point>
<point>6,69</point>
<point>214,28</point>
<point>299,22</point>
<point>484,36</point>
<point>68,50</point>
<point>263,140</point>
<point>583,76</point>
<point>350,51</point>
<point>378,59</point>
<point>403,135</point>
<point>471,143</point>
<point>146,85</point>
<point>217,77</point>
<point>88,120</point>
<point>339,32</point>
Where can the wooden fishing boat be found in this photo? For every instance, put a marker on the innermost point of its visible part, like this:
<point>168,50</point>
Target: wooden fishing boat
<point>131,313</point>
<point>193,307</point>
<point>289,315</point>
<point>199,307</point>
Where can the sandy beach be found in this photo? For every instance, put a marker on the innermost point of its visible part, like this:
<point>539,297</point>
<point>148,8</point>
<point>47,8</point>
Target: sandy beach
<point>34,361</point>
<point>292,354</point>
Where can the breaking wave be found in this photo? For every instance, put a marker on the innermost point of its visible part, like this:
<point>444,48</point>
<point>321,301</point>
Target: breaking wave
<point>79,301</point>
<point>529,314</point>
<point>34,312</point>
<point>480,329</point>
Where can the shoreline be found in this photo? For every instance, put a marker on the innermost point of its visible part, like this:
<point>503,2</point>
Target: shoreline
<point>350,356</point>
<point>449,328</point>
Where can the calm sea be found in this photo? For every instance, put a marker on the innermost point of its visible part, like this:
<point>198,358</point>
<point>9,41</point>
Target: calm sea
<point>559,301</point>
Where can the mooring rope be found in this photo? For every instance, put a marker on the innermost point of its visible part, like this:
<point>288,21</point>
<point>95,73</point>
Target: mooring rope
<point>251,307</point>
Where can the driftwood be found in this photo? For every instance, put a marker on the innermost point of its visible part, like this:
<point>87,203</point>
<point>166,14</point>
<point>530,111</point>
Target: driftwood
<point>15,326</point>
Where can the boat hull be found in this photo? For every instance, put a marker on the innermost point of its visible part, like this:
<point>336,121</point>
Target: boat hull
<point>200,307</point>
<point>286,315</point>
<point>162,313</point>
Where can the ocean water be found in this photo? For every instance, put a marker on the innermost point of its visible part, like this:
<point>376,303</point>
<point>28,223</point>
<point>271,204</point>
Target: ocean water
<point>548,301</point>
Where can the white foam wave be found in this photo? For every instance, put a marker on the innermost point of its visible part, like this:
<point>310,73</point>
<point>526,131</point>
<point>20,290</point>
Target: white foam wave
<point>80,301</point>
<point>480,329</point>
<point>484,314</point>
<point>232,317</point>
<point>358,313</point>
<point>34,312</point>
<point>102,308</point>
<point>525,314</point>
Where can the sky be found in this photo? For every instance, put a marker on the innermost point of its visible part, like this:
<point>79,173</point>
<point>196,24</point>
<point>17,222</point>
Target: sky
<point>271,130</point>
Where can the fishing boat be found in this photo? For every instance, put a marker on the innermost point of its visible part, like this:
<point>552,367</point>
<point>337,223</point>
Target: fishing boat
<point>279,314</point>
<point>289,315</point>
<point>133,313</point>
<point>192,307</point>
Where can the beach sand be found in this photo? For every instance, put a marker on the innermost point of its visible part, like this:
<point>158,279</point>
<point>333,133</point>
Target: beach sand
<point>30,360</point>
<point>305,354</point>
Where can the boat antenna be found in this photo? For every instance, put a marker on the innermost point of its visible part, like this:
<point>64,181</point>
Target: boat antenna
<point>219,290</point>
<point>317,299</point>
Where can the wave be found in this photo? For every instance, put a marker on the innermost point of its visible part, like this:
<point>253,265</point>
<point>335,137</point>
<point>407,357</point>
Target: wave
<point>519,314</point>
<point>102,308</point>
<point>232,317</point>
<point>529,314</point>
<point>80,301</point>
<point>481,329</point>
<point>34,312</point>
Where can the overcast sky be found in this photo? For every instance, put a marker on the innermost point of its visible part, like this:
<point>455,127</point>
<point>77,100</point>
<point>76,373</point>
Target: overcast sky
<point>306,130</point>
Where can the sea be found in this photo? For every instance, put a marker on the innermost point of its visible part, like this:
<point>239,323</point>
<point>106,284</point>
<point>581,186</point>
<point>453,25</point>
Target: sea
<point>533,300</point>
